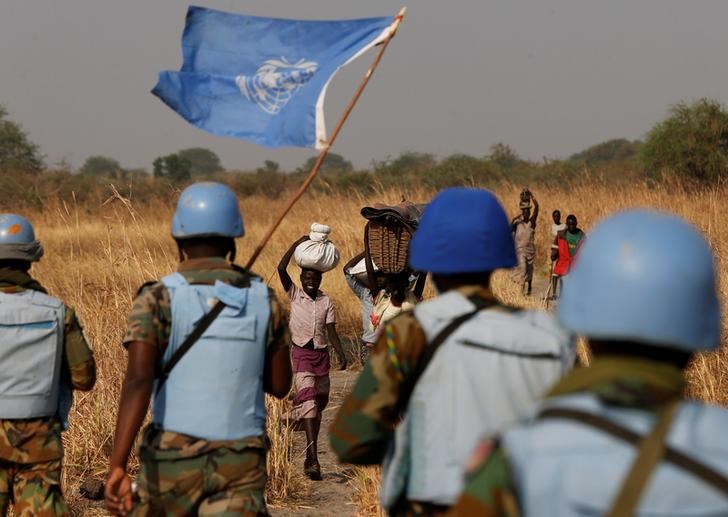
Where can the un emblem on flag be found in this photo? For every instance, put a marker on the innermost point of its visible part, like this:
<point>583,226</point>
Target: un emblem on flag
<point>275,82</point>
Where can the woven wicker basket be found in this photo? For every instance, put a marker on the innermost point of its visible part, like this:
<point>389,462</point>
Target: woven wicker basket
<point>388,245</point>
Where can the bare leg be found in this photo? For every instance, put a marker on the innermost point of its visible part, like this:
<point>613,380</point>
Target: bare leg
<point>311,466</point>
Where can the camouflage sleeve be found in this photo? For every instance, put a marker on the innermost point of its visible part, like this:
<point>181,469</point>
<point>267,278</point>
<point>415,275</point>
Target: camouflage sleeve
<point>488,488</point>
<point>150,317</point>
<point>278,333</point>
<point>367,418</point>
<point>78,355</point>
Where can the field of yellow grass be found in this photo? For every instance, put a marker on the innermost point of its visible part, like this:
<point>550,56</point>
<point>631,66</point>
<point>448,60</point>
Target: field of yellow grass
<point>97,256</point>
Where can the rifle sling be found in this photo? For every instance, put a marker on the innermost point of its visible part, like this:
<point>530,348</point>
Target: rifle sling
<point>191,339</point>
<point>700,470</point>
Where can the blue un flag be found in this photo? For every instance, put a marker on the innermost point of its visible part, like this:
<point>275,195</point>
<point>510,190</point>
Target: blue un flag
<point>262,79</point>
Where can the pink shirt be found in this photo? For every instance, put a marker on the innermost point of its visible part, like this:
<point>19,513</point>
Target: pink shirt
<point>309,317</point>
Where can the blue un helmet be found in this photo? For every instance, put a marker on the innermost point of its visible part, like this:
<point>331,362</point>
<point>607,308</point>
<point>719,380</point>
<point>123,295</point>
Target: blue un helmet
<point>207,209</point>
<point>15,229</point>
<point>17,239</point>
<point>463,230</point>
<point>646,277</point>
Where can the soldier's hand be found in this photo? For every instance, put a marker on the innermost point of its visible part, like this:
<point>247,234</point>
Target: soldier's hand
<point>117,492</point>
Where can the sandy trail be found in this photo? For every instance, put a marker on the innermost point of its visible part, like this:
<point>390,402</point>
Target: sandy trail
<point>332,495</point>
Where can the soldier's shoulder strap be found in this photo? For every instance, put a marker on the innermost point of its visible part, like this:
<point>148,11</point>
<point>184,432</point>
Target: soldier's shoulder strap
<point>429,351</point>
<point>696,468</point>
<point>192,338</point>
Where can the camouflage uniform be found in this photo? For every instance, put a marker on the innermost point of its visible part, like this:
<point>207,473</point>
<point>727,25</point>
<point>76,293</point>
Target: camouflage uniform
<point>183,474</point>
<point>31,449</point>
<point>490,490</point>
<point>366,421</point>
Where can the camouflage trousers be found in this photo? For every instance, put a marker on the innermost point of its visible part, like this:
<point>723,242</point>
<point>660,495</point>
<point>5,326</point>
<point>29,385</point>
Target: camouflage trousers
<point>33,488</point>
<point>221,482</point>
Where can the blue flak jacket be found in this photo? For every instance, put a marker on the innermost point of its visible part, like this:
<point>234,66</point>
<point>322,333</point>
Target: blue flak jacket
<point>215,392</point>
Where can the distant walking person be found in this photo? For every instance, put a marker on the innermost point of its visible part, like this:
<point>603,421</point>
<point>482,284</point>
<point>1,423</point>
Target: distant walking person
<point>43,356</point>
<point>458,366</point>
<point>313,327</point>
<point>619,438</point>
<point>204,344</point>
<point>567,242</point>
<point>556,227</point>
<point>523,227</point>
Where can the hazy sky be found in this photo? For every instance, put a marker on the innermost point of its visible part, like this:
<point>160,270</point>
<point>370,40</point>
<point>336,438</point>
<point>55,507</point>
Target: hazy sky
<point>547,77</point>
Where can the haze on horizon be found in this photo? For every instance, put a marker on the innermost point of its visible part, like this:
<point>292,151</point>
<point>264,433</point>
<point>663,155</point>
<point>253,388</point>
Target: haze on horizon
<point>549,78</point>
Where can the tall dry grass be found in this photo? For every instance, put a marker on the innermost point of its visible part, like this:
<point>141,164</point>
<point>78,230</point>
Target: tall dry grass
<point>97,256</point>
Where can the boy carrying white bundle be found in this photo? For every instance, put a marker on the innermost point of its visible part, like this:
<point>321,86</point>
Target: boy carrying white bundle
<point>313,327</point>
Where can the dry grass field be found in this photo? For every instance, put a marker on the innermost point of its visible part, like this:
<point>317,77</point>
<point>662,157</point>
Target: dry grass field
<point>97,256</point>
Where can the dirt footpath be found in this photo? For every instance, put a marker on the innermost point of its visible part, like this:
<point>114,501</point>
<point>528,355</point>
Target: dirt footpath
<point>332,495</point>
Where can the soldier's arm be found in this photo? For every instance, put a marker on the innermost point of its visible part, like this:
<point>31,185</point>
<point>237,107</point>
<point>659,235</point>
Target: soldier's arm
<point>78,355</point>
<point>367,418</point>
<point>136,392</point>
<point>488,490</point>
<point>277,370</point>
<point>147,328</point>
<point>534,217</point>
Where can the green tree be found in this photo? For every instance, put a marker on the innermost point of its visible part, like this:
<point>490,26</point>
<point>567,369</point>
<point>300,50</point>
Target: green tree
<point>101,166</point>
<point>17,152</point>
<point>172,167</point>
<point>332,163</point>
<point>269,167</point>
<point>202,161</point>
<point>692,141</point>
<point>406,163</point>
<point>615,150</point>
<point>503,156</point>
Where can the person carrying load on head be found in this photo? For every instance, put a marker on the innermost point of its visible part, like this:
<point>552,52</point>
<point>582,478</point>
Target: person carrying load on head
<point>523,227</point>
<point>388,295</point>
<point>204,344</point>
<point>564,249</point>
<point>382,270</point>
<point>619,438</point>
<point>456,367</point>
<point>44,355</point>
<point>355,274</point>
<point>313,327</point>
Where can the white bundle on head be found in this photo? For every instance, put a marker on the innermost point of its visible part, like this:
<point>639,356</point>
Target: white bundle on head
<point>359,270</point>
<point>319,232</point>
<point>319,252</point>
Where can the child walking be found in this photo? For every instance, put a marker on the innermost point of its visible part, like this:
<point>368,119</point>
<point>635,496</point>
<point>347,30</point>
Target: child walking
<point>313,327</point>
